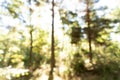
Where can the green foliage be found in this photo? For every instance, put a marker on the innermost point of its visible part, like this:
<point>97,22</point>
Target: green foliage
<point>16,59</point>
<point>100,27</point>
<point>37,60</point>
<point>106,63</point>
<point>39,55</point>
<point>69,18</point>
<point>13,7</point>
<point>75,35</point>
<point>113,49</point>
<point>115,15</point>
<point>15,45</point>
<point>108,70</point>
<point>77,64</point>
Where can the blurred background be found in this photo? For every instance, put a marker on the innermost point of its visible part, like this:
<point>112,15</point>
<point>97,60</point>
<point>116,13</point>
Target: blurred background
<point>59,40</point>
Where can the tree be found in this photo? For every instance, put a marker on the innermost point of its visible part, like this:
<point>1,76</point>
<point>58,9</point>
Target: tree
<point>96,27</point>
<point>52,45</point>
<point>23,11</point>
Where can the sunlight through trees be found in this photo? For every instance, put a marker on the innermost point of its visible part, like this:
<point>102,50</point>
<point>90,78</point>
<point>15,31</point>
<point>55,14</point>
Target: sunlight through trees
<point>59,40</point>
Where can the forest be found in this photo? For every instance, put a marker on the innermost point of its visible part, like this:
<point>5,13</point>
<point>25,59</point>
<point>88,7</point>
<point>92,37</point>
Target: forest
<point>59,40</point>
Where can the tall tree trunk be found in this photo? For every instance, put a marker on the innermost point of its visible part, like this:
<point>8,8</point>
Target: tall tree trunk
<point>89,29</point>
<point>31,38</point>
<point>52,46</point>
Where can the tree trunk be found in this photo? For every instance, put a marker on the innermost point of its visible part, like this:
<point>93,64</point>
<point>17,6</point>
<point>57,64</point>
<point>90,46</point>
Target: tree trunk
<point>89,30</point>
<point>52,46</point>
<point>31,38</point>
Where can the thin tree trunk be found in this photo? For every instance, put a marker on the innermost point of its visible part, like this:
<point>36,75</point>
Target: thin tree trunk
<point>52,46</point>
<point>89,30</point>
<point>31,38</point>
